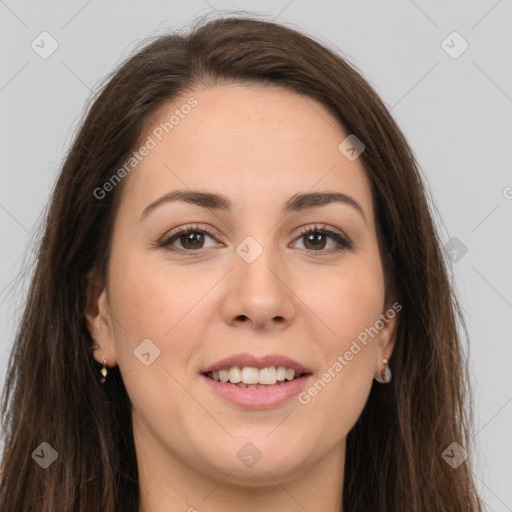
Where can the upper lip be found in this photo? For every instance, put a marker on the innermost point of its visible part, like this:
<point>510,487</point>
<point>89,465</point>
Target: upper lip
<point>251,360</point>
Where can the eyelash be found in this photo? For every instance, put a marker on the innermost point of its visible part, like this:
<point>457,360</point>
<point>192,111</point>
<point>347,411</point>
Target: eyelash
<point>343,243</point>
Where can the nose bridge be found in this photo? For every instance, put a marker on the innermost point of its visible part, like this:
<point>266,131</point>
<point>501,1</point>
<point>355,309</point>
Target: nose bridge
<point>259,293</point>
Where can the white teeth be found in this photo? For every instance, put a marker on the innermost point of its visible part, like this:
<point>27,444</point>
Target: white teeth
<point>254,377</point>
<point>281,373</point>
<point>290,374</point>
<point>250,375</point>
<point>268,375</point>
<point>235,375</point>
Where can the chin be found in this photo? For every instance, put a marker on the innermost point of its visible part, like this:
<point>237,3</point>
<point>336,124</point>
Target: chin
<point>252,460</point>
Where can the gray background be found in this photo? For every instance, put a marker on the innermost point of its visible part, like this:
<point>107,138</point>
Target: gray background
<point>455,112</point>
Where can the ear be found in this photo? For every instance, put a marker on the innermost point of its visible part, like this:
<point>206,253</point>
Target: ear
<point>387,335</point>
<point>99,321</point>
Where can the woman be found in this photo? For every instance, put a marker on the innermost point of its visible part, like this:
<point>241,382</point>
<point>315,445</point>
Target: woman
<point>240,299</point>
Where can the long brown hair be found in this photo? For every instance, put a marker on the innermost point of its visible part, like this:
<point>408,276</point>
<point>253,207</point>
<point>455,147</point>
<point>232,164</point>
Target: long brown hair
<point>52,391</point>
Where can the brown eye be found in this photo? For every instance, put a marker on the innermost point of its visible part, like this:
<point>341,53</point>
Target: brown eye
<point>189,239</point>
<point>193,240</point>
<point>315,240</point>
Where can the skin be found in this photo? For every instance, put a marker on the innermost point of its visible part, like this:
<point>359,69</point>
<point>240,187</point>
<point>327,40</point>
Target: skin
<point>257,146</point>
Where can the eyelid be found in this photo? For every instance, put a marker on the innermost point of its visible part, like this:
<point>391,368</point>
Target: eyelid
<point>320,228</point>
<point>192,228</point>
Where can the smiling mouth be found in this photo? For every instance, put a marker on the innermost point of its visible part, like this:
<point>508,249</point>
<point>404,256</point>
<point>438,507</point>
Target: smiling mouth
<point>255,378</point>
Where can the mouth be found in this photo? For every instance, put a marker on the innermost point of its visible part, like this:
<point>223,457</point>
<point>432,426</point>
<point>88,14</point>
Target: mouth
<point>252,392</point>
<point>256,382</point>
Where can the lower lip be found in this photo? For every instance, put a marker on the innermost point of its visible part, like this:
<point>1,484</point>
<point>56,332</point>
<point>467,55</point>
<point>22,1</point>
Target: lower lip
<point>258,398</point>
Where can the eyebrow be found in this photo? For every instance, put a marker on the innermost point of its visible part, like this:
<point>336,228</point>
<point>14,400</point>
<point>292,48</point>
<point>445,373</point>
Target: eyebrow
<point>296,203</point>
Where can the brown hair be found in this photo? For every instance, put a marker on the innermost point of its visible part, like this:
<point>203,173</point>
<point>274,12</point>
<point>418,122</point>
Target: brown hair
<point>52,393</point>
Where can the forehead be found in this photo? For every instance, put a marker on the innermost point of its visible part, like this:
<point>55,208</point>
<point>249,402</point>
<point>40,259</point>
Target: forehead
<point>252,143</point>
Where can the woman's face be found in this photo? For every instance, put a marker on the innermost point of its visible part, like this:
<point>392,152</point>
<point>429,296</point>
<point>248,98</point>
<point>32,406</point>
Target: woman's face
<point>245,282</point>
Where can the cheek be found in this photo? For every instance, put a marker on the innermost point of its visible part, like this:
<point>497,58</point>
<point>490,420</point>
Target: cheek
<point>346,301</point>
<point>153,298</point>
<point>348,307</point>
<point>154,302</point>
<point>171,306</point>
<point>356,307</point>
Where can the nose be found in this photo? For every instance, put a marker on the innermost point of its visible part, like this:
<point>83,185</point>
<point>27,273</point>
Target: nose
<point>258,294</point>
